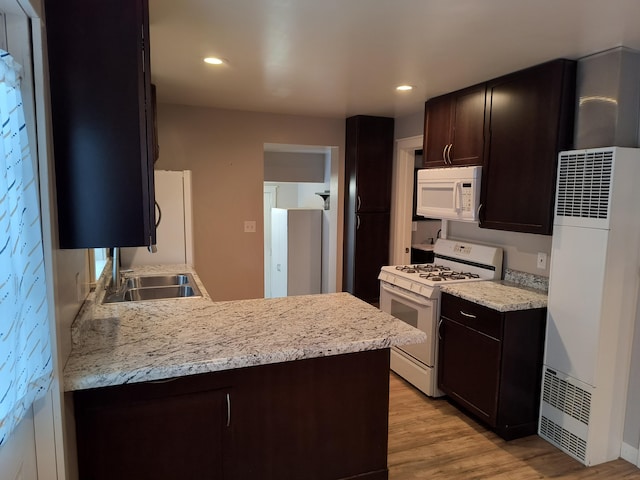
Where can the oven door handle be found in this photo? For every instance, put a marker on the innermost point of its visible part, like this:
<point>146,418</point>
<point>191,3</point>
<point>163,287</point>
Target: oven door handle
<point>417,300</point>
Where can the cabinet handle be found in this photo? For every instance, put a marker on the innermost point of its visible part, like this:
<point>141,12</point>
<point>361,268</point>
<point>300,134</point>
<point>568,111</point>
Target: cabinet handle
<point>167,380</point>
<point>449,154</point>
<point>478,212</point>
<point>469,315</point>
<point>357,222</point>
<point>228,409</point>
<point>440,329</point>
<point>359,203</point>
<point>444,153</point>
<point>159,217</point>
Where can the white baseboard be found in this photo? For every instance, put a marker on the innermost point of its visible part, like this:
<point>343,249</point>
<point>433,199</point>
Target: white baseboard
<point>630,454</point>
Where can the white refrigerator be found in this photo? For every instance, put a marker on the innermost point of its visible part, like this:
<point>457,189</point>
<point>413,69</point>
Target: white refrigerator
<point>174,237</point>
<point>296,246</point>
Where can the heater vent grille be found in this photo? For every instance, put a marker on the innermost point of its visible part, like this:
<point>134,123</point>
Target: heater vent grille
<point>566,397</point>
<point>584,184</point>
<point>563,438</point>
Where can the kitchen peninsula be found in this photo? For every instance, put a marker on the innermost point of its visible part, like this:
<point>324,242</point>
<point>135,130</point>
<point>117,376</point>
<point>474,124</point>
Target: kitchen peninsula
<point>293,387</point>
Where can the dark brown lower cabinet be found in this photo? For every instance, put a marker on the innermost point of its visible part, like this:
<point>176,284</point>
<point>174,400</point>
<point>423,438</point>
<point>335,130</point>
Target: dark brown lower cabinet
<point>367,256</point>
<point>323,418</point>
<point>490,363</point>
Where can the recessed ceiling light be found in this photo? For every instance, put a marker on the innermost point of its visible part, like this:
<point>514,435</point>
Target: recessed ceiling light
<point>214,61</point>
<point>404,88</point>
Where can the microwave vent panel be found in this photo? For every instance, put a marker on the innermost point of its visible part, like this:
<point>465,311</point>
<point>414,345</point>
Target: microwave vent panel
<point>584,184</point>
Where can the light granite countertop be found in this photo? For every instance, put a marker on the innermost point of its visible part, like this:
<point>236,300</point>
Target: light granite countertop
<point>132,342</point>
<point>500,295</point>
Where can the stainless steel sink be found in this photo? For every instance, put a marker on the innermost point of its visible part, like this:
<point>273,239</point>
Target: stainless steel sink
<point>155,287</point>
<point>158,280</point>
<point>158,293</point>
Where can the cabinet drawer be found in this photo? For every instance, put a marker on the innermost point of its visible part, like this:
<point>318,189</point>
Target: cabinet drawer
<point>478,317</point>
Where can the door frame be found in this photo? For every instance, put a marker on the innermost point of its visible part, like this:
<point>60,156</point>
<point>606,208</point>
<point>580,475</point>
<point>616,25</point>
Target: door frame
<point>332,243</point>
<point>270,192</point>
<point>402,199</point>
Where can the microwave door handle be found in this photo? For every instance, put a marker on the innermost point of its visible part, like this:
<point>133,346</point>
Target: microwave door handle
<point>457,194</point>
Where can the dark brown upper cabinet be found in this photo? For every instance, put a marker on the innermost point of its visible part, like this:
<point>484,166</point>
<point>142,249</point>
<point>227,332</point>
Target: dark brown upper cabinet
<point>530,120</point>
<point>454,128</point>
<point>99,70</point>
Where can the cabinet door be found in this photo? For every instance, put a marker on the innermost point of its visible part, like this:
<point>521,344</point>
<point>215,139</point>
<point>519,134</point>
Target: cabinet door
<point>369,159</point>
<point>174,437</point>
<point>454,128</point>
<point>315,419</point>
<point>371,252</point>
<point>531,120</point>
<point>469,368</point>
<point>467,136</point>
<point>437,131</point>
<point>102,126</point>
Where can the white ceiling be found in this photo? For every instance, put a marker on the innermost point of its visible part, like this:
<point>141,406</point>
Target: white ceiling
<point>337,58</point>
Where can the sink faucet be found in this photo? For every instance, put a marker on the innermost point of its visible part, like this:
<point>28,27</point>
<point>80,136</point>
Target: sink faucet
<point>115,270</point>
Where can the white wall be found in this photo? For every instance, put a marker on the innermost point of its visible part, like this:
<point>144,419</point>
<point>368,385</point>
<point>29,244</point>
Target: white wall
<point>520,249</point>
<point>299,195</point>
<point>424,231</point>
<point>409,125</point>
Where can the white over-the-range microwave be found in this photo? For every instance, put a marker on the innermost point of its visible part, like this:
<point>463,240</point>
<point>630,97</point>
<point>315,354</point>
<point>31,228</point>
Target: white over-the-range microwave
<point>449,193</point>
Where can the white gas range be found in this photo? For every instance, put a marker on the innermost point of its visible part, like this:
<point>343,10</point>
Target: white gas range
<point>411,293</point>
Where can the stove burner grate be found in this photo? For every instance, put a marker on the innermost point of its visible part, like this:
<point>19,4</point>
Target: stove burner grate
<point>436,273</point>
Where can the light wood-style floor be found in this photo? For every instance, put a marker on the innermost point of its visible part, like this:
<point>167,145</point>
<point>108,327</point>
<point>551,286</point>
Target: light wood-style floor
<point>431,439</point>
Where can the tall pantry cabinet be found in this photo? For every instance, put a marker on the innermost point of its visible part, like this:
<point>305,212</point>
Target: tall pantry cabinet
<point>368,164</point>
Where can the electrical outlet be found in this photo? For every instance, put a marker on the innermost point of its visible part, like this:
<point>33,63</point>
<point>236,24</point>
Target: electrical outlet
<point>249,226</point>
<point>542,261</point>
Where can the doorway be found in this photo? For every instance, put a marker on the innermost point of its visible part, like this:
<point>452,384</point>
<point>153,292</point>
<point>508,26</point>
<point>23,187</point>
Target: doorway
<point>405,229</point>
<point>301,177</point>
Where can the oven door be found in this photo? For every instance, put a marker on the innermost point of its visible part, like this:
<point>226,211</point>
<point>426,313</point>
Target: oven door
<point>415,310</point>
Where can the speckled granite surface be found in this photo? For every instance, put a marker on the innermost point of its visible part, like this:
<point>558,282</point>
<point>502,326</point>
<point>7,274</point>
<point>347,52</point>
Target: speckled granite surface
<point>537,282</point>
<point>499,295</point>
<point>140,341</point>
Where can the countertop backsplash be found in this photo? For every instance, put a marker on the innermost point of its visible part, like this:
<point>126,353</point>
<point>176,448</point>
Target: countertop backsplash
<point>525,279</point>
